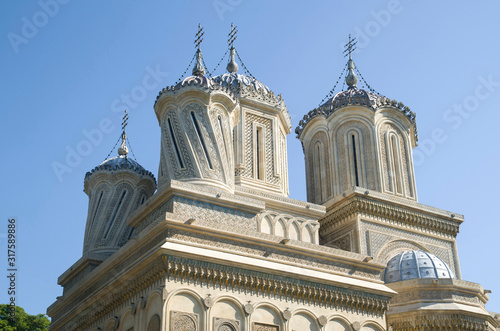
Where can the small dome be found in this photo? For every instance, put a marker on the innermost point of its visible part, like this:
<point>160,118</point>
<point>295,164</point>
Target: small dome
<point>117,163</point>
<point>416,264</point>
<point>233,81</point>
<point>353,95</point>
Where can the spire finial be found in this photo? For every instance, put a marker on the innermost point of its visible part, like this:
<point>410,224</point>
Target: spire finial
<point>351,79</point>
<point>232,66</point>
<point>198,69</point>
<point>199,36</point>
<point>123,150</point>
<point>232,35</point>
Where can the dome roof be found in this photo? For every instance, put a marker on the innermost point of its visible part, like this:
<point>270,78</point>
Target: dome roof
<point>353,95</point>
<point>234,80</point>
<point>201,81</point>
<point>121,162</point>
<point>416,264</point>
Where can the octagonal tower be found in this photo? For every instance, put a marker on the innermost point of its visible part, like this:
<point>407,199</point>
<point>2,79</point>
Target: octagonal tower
<point>358,139</point>
<point>196,117</point>
<point>259,134</point>
<point>116,188</point>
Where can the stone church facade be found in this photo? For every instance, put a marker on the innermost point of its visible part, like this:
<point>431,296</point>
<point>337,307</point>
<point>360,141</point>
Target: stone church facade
<point>216,244</point>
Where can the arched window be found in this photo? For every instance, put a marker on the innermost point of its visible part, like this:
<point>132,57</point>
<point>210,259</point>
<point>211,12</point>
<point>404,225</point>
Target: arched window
<point>219,118</point>
<point>259,152</point>
<point>354,152</point>
<point>96,208</point>
<point>200,136</point>
<point>174,142</point>
<point>394,164</point>
<point>154,323</point>
<point>319,172</point>
<point>115,213</point>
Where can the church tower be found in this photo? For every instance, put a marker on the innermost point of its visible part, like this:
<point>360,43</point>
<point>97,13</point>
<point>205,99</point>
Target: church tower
<point>260,150</point>
<point>358,154</point>
<point>196,117</point>
<point>358,138</point>
<point>116,188</point>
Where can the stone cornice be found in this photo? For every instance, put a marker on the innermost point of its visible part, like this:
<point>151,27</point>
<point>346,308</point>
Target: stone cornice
<point>429,304</point>
<point>282,203</point>
<point>175,268</point>
<point>443,321</point>
<point>439,290</point>
<point>406,214</point>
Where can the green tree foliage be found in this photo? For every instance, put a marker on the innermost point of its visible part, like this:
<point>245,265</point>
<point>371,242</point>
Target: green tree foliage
<point>22,321</point>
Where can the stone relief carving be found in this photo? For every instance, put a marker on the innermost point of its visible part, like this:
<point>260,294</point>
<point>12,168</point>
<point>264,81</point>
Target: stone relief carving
<point>276,220</point>
<point>386,213</point>
<point>209,168</point>
<point>265,327</point>
<point>223,324</point>
<point>224,142</point>
<point>181,321</point>
<point>405,241</point>
<point>101,238</point>
<point>219,216</point>
<point>259,283</point>
<point>248,171</point>
<point>344,242</point>
<point>169,150</point>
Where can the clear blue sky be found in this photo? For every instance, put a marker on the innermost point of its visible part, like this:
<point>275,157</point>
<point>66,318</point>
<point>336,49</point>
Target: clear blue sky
<point>65,72</point>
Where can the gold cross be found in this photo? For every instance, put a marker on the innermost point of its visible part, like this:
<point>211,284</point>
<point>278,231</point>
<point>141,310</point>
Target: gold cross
<point>199,36</point>
<point>232,35</point>
<point>350,46</point>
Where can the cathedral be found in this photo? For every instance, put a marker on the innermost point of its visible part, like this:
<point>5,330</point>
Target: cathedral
<point>212,242</point>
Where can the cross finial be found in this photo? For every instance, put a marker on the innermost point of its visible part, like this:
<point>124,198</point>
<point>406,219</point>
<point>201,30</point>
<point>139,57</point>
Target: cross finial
<point>350,46</point>
<point>123,150</point>
<point>125,120</point>
<point>199,36</point>
<point>232,36</point>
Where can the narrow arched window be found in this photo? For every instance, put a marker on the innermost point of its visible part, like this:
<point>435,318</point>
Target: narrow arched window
<point>318,170</point>
<point>174,142</point>
<point>115,213</point>
<point>97,208</point>
<point>222,132</point>
<point>259,153</point>
<point>200,136</point>
<point>354,152</point>
<point>396,164</point>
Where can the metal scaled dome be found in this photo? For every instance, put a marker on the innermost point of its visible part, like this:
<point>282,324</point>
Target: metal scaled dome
<point>416,264</point>
<point>235,81</point>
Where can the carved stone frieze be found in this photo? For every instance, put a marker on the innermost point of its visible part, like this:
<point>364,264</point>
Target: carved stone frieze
<point>265,327</point>
<point>286,256</point>
<point>440,321</point>
<point>386,213</point>
<point>269,284</point>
